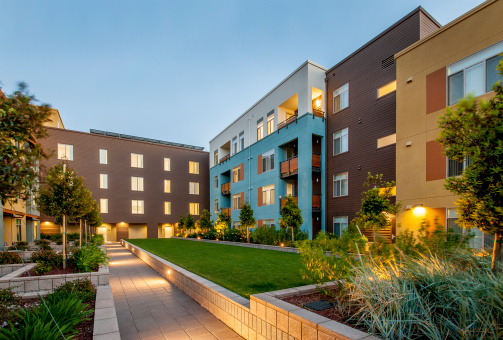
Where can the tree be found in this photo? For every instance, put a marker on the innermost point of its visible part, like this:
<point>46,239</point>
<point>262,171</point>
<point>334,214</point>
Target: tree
<point>223,222</point>
<point>247,219</point>
<point>189,222</point>
<point>93,217</point>
<point>181,223</point>
<point>205,223</point>
<point>291,216</point>
<point>473,132</point>
<point>376,205</point>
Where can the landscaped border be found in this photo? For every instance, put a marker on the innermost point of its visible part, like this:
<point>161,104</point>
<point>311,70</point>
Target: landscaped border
<point>264,316</point>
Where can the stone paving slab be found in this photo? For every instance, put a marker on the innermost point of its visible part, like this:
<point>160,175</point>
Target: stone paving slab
<point>150,307</point>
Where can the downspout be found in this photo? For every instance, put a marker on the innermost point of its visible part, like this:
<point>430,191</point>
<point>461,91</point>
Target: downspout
<point>249,159</point>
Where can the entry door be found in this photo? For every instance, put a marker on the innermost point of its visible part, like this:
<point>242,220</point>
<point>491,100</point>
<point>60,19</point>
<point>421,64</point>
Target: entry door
<point>103,231</point>
<point>168,232</point>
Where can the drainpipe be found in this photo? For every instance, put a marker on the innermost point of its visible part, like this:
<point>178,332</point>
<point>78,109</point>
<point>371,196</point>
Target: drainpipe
<point>249,158</point>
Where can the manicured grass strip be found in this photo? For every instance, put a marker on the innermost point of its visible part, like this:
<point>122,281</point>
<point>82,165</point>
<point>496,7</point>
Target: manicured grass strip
<point>244,271</point>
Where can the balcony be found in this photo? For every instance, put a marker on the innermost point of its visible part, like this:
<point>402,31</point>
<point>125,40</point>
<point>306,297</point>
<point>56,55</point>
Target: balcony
<point>290,167</point>
<point>283,201</point>
<point>318,113</point>
<point>226,188</point>
<point>316,162</point>
<point>223,159</point>
<point>226,211</point>
<point>287,121</point>
<point>316,202</point>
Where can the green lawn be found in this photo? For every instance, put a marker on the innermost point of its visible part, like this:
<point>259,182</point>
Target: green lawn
<point>244,271</point>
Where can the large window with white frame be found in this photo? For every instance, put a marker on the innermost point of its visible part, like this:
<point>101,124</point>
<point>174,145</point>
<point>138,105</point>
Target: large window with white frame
<point>341,141</point>
<point>193,167</point>
<point>341,184</point>
<point>167,164</point>
<point>260,129</point>
<point>340,224</point>
<point>103,181</point>
<point>193,188</point>
<point>103,156</point>
<point>104,205</point>
<point>475,74</point>
<point>65,151</point>
<point>268,195</point>
<point>341,98</point>
<point>236,202</point>
<point>137,207</point>
<point>137,183</point>
<point>167,208</point>
<point>194,208</point>
<point>136,160</point>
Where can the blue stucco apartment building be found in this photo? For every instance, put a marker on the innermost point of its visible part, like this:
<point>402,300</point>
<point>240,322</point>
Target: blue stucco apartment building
<point>274,149</point>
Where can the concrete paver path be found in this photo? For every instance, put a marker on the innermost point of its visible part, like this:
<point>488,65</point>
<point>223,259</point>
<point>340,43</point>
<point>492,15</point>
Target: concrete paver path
<point>150,307</point>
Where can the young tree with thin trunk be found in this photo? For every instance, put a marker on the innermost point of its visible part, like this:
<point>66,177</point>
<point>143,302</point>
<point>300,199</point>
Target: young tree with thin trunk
<point>291,216</point>
<point>205,223</point>
<point>181,223</point>
<point>223,222</point>
<point>472,132</point>
<point>189,222</point>
<point>247,219</point>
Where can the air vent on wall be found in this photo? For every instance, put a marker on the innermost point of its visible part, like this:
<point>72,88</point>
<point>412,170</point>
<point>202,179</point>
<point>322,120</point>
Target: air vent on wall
<point>390,61</point>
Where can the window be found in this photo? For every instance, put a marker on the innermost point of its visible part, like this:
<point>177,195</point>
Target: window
<point>103,156</point>
<point>167,186</point>
<point>18,230</point>
<point>270,124</point>
<point>137,207</point>
<point>137,183</point>
<point>260,129</point>
<point>215,157</point>
<point>268,161</point>
<point>455,168</point>
<point>236,202</point>
<point>341,141</point>
<point>194,208</point>
<point>194,168</point>
<point>103,181</point>
<point>65,152</point>
<point>268,195</point>
<point>167,208</point>
<point>241,141</point>
<point>341,184</point>
<point>215,182</point>
<point>193,188</point>
<point>236,174</point>
<point>136,160</point>
<point>475,74</point>
<point>234,145</point>
<point>388,88</point>
<point>385,141</point>
<point>215,206</point>
<point>341,98</point>
<point>269,223</point>
<point>236,224</point>
<point>167,164</point>
<point>340,224</point>
<point>104,205</point>
<point>480,239</point>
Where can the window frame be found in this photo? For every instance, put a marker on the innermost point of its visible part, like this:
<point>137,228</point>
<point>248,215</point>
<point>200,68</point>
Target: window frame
<point>340,223</point>
<point>194,208</point>
<point>136,205</point>
<point>341,138</point>
<point>136,160</point>
<point>194,167</point>
<point>340,92</point>
<point>234,145</point>
<point>215,182</point>
<point>67,147</point>
<point>103,205</point>
<point>167,204</point>
<point>135,182</point>
<point>193,188</point>
<point>268,195</point>
<point>241,142</point>
<point>103,153</point>
<point>216,206</point>
<point>346,174</point>
<point>270,124</point>
<point>236,174</point>
<point>236,202</point>
<point>167,164</point>
<point>266,159</point>
<point>215,157</point>
<point>103,181</point>
<point>464,164</point>
<point>384,86</point>
<point>260,128</point>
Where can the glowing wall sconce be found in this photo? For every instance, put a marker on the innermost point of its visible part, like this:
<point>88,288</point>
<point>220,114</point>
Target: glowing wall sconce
<point>418,210</point>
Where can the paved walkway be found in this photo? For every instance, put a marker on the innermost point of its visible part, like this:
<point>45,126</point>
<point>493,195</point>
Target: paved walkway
<point>150,307</point>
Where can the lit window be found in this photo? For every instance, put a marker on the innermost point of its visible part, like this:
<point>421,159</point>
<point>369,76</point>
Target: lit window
<point>137,183</point>
<point>388,88</point>
<point>103,205</point>
<point>341,184</point>
<point>194,168</point>
<point>136,160</point>
<point>167,208</point>
<point>270,124</point>
<point>268,195</point>
<point>236,202</point>
<point>103,156</point>
<point>137,207</point>
<point>193,188</point>
<point>455,168</point>
<point>234,145</point>
<point>385,141</point>
<point>241,141</point>
<point>65,152</point>
<point>340,224</point>
<point>268,161</point>
<point>194,208</point>
<point>341,98</point>
<point>167,185</point>
<point>341,141</point>
<point>215,157</point>
<point>215,206</point>
<point>260,129</point>
<point>236,174</point>
<point>269,223</point>
<point>167,164</point>
<point>103,181</point>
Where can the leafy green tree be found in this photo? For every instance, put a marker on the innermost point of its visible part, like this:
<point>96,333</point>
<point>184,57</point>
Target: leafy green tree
<point>376,205</point>
<point>92,218</point>
<point>291,216</point>
<point>247,219</point>
<point>189,222</point>
<point>473,132</point>
<point>181,223</point>
<point>223,222</point>
<point>204,223</point>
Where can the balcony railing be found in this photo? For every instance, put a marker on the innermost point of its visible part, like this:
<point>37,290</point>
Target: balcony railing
<point>319,113</point>
<point>224,158</point>
<point>226,188</point>
<point>316,161</point>
<point>289,167</point>
<point>316,202</point>
<point>287,121</point>
<point>226,211</point>
<point>283,201</point>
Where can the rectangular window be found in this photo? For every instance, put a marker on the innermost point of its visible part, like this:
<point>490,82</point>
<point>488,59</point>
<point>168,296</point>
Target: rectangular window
<point>215,206</point>
<point>103,181</point>
<point>167,164</point>
<point>340,224</point>
<point>388,88</point>
<point>137,207</point>
<point>341,98</point>
<point>268,195</point>
<point>260,129</point>
<point>455,168</point>
<point>193,188</point>
<point>167,208</point>
<point>341,141</point>
<point>236,174</point>
<point>241,141</point>
<point>268,161</point>
<point>236,202</point>
<point>234,145</point>
<point>167,186</point>
<point>270,124</point>
<point>18,230</point>
<point>341,184</point>
<point>65,152</point>
<point>492,75</point>
<point>269,223</point>
<point>385,141</point>
<point>103,205</point>
<point>215,182</point>
<point>194,208</point>
<point>103,156</point>
<point>194,168</point>
<point>136,160</point>
<point>215,158</point>
<point>137,183</point>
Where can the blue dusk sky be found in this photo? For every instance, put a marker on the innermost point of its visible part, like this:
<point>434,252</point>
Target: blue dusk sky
<point>180,70</point>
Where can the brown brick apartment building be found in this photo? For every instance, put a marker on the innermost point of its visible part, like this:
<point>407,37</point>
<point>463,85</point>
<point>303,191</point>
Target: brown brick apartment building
<point>361,131</point>
<point>142,185</point>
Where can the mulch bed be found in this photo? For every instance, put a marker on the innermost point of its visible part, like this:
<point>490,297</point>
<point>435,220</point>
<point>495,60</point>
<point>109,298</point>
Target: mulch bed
<point>70,270</point>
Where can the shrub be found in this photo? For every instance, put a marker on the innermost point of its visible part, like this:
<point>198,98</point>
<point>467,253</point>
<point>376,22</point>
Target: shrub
<point>45,236</point>
<point>55,237</point>
<point>59,241</point>
<point>235,235</point>
<point>48,256</point>
<point>272,236</point>
<point>9,258</point>
<point>88,258</point>
<point>211,234</point>
<point>72,236</point>
<point>43,244</point>
<point>97,239</point>
<point>21,245</point>
<point>43,268</point>
<point>8,297</point>
<point>83,289</point>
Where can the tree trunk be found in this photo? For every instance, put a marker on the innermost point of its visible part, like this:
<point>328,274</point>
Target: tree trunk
<point>497,265</point>
<point>64,242</point>
<point>80,233</point>
<point>292,237</point>
<point>85,230</point>
<point>247,234</point>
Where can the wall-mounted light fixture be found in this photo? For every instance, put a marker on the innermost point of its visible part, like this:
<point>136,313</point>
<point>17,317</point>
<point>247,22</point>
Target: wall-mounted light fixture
<point>409,80</point>
<point>408,144</point>
<point>418,210</point>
